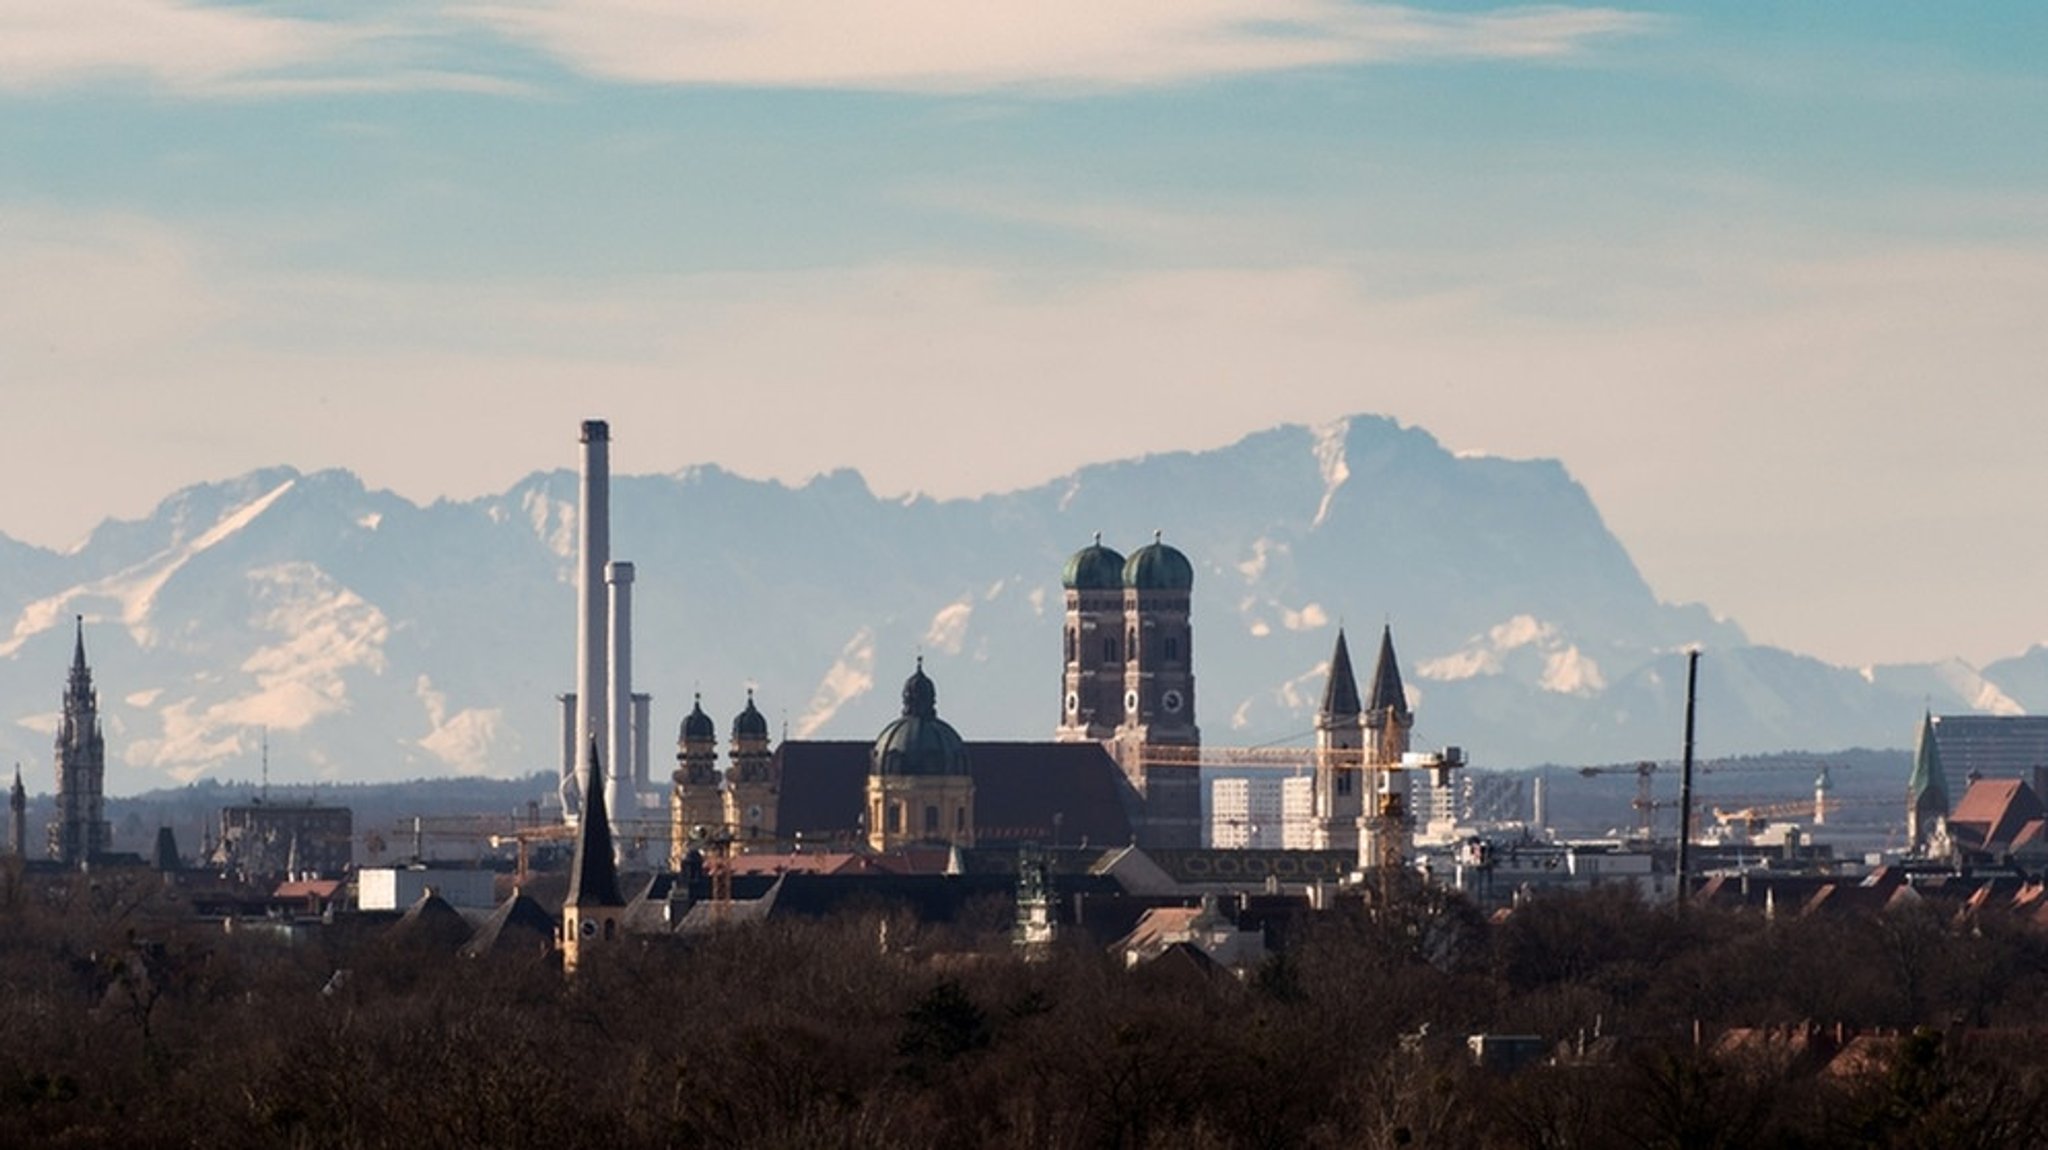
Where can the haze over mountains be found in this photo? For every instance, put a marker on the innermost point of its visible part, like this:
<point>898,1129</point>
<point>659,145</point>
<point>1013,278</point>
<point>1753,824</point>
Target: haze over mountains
<point>376,639</point>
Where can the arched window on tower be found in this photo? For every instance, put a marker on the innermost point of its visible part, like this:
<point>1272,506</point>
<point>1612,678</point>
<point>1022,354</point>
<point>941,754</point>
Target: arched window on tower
<point>1172,649</point>
<point>1109,649</point>
<point>931,821</point>
<point>1073,642</point>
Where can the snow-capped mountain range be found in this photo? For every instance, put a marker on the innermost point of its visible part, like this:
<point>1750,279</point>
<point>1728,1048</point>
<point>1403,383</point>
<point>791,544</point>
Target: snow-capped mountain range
<point>375,639</point>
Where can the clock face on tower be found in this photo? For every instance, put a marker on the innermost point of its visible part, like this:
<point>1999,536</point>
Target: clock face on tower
<point>1073,703</point>
<point>1131,702</point>
<point>589,928</point>
<point>1172,701</point>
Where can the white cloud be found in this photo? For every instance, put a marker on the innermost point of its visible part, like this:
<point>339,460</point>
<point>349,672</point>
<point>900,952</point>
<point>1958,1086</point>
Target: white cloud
<point>1028,45</point>
<point>1572,672</point>
<point>51,42</point>
<point>948,629</point>
<point>196,49</point>
<point>1307,619</point>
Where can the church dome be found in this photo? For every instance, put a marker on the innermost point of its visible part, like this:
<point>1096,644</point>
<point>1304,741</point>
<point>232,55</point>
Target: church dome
<point>697,724</point>
<point>750,723</point>
<point>919,743</point>
<point>1094,568</point>
<point>1158,567</point>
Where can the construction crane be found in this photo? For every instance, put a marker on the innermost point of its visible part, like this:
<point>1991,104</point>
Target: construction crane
<point>1644,804</point>
<point>523,837</point>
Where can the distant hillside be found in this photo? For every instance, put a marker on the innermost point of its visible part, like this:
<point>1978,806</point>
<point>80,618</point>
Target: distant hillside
<point>380,640</point>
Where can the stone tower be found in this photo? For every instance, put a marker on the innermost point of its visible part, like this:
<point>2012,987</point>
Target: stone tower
<point>1092,684</point>
<point>594,912</point>
<point>1338,800</point>
<point>697,798</point>
<point>751,788</point>
<point>1157,742</point>
<point>80,831</point>
<point>920,789</point>
<point>1387,717</point>
<point>1383,828</point>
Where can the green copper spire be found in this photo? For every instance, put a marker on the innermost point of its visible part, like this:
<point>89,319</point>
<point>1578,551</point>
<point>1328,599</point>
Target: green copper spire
<point>1927,790</point>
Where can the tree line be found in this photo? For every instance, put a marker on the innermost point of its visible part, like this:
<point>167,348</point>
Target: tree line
<point>122,1023</point>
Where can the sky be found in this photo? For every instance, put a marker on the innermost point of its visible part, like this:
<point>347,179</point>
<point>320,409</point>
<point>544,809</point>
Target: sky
<point>1771,279</point>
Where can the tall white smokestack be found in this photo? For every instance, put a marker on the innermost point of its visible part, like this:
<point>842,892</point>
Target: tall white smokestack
<point>621,796</point>
<point>595,529</point>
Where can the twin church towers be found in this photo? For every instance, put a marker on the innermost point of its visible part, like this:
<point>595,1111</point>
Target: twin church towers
<point>1129,681</point>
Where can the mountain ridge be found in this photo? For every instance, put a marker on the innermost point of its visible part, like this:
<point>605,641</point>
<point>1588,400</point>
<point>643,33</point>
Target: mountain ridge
<point>379,638</point>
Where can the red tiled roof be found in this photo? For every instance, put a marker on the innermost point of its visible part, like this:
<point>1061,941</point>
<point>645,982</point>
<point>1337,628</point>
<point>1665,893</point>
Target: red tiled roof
<point>1997,815</point>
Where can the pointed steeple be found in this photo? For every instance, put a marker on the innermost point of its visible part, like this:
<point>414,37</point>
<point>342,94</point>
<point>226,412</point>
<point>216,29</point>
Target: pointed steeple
<point>1340,694</point>
<point>1386,694</point>
<point>1927,788</point>
<point>593,875</point>
<point>78,695</point>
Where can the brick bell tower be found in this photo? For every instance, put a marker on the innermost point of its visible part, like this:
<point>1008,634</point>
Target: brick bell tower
<point>1092,681</point>
<point>1157,740</point>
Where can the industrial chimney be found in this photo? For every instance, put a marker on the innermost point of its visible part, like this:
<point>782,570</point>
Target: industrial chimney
<point>621,796</point>
<point>594,529</point>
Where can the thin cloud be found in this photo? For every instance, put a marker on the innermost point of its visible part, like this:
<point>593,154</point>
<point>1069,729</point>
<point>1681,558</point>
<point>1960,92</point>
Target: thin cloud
<point>1027,45</point>
<point>199,50</point>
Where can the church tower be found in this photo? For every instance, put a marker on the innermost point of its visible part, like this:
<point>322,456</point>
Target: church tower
<point>1383,828</point>
<point>1387,717</point>
<point>594,913</point>
<point>1092,684</point>
<point>1340,753</point>
<point>80,831</point>
<point>698,797</point>
<point>1927,803</point>
<point>1157,741</point>
<point>920,789</point>
<point>752,790</point>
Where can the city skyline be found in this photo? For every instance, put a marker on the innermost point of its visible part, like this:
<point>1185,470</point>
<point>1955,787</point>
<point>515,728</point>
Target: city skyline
<point>1766,280</point>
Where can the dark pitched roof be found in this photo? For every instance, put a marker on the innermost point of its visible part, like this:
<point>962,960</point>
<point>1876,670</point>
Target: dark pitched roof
<point>1018,789</point>
<point>431,922</point>
<point>593,874</point>
<point>517,926</point>
<point>1340,695</point>
<point>1386,680</point>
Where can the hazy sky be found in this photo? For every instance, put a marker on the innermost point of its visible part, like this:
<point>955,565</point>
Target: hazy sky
<point>1771,279</point>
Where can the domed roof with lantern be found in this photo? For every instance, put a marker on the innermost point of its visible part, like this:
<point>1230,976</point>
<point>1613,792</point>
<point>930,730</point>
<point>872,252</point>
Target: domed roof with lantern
<point>697,724</point>
<point>1094,568</point>
<point>750,723</point>
<point>919,742</point>
<point>1158,567</point>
